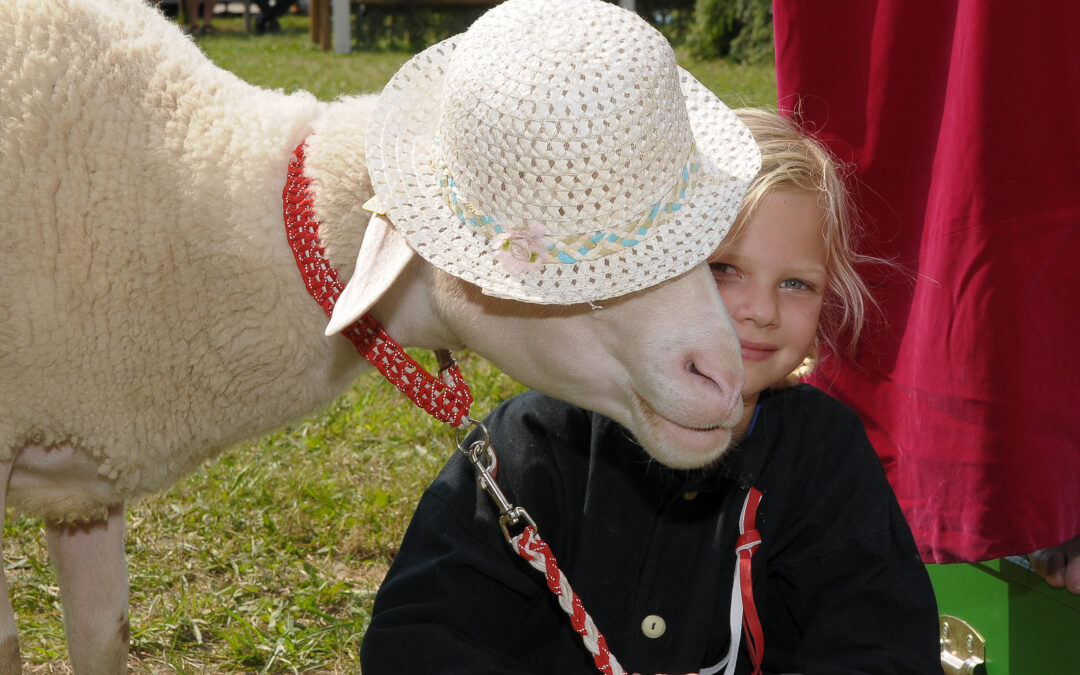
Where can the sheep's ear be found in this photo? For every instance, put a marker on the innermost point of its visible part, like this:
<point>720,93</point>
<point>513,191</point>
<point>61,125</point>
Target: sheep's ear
<point>383,255</point>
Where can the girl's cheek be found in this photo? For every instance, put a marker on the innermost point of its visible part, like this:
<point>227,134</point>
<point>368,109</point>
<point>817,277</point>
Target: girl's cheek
<point>731,289</point>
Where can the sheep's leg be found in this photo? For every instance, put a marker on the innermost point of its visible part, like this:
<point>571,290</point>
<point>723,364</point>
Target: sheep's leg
<point>90,567</point>
<point>10,663</point>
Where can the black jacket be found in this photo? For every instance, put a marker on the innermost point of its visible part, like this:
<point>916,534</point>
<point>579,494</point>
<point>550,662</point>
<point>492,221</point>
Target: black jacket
<point>837,580</point>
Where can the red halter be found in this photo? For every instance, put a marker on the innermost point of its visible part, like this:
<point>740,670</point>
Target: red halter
<point>447,398</point>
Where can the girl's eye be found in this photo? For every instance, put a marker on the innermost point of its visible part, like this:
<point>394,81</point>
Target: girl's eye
<point>796,285</point>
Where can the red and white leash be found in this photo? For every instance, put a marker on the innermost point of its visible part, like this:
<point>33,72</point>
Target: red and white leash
<point>448,399</point>
<point>535,551</point>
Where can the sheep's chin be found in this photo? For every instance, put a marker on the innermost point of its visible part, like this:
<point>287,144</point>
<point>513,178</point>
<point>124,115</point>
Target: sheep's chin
<point>676,445</point>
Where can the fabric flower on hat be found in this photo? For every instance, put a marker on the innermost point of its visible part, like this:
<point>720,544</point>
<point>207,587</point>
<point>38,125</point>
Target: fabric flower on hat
<point>521,250</point>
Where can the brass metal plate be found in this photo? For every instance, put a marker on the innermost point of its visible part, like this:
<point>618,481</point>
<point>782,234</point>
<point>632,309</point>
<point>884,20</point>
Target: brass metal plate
<point>963,650</point>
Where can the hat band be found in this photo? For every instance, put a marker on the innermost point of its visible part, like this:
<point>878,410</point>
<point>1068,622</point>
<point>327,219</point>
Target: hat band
<point>522,245</point>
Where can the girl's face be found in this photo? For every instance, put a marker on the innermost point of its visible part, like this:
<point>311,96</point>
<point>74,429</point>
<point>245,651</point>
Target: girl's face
<point>772,280</point>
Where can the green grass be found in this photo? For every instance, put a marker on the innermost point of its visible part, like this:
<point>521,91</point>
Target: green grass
<point>288,60</point>
<point>268,558</point>
<point>736,85</point>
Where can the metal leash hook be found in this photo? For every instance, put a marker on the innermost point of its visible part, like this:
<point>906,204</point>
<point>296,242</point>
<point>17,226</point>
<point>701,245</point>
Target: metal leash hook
<point>482,456</point>
<point>530,547</point>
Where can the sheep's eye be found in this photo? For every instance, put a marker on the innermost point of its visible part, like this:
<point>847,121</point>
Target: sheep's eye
<point>722,269</point>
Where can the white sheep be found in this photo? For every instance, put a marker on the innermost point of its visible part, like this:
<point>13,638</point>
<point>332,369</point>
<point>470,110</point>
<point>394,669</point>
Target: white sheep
<point>151,312</point>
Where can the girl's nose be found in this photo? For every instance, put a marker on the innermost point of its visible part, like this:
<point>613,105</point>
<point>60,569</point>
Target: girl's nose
<point>759,305</point>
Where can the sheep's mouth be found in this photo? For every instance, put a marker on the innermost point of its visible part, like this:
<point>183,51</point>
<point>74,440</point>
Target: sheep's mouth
<point>653,415</point>
<point>680,446</point>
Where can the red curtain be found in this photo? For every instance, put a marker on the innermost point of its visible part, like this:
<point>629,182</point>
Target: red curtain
<point>961,119</point>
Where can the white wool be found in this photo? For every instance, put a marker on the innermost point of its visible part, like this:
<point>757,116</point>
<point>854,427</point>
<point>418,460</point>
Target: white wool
<point>151,314</point>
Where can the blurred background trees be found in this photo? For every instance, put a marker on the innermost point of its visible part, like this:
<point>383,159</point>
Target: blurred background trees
<point>739,30</point>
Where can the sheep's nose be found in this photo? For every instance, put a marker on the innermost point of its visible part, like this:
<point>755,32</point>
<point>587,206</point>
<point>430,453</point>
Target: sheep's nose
<point>718,382</point>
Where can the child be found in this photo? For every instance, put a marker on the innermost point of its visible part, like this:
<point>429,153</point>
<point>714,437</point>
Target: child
<point>836,580</point>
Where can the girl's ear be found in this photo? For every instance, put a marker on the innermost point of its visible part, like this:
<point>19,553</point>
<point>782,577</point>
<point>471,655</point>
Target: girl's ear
<point>382,257</point>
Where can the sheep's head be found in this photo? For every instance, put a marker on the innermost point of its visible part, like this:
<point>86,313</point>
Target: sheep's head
<point>663,361</point>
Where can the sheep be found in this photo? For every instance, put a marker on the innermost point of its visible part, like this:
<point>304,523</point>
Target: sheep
<point>152,315</point>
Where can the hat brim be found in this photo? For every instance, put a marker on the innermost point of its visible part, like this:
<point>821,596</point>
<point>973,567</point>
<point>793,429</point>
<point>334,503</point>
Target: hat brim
<point>399,147</point>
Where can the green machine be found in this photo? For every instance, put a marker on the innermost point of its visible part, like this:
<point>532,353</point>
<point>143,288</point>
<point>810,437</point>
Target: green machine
<point>1000,618</point>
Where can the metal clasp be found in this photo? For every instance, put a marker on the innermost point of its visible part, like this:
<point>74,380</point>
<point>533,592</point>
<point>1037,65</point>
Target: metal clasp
<point>482,456</point>
<point>963,650</point>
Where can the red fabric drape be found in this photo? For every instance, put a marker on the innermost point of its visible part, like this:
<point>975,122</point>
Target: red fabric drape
<point>962,121</point>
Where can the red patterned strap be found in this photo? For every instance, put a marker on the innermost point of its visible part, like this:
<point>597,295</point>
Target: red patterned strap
<point>535,551</point>
<point>447,398</point>
<point>749,539</point>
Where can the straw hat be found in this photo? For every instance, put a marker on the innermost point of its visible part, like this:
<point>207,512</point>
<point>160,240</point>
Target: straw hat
<point>555,153</point>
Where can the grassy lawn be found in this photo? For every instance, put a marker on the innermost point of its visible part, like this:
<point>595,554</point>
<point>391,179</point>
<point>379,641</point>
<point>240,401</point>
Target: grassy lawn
<point>267,560</point>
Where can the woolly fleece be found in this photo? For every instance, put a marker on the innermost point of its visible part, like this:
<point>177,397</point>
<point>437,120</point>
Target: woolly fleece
<point>151,313</point>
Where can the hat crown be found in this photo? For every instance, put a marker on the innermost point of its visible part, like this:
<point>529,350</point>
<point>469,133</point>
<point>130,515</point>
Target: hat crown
<point>555,153</point>
<point>579,123</point>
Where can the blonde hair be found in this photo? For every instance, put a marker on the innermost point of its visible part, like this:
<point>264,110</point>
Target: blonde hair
<point>793,159</point>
